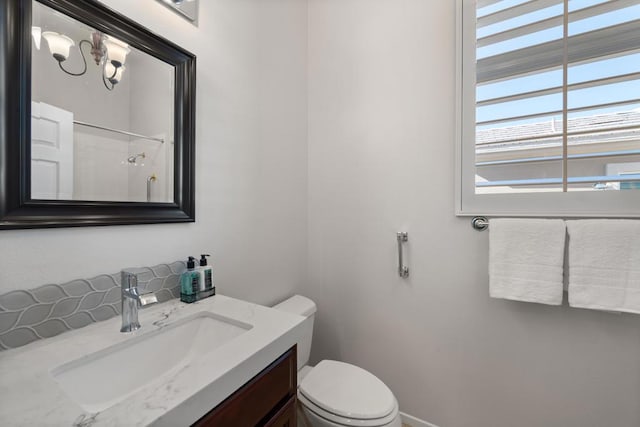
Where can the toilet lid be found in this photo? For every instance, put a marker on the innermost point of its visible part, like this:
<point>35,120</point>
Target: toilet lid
<point>347,391</point>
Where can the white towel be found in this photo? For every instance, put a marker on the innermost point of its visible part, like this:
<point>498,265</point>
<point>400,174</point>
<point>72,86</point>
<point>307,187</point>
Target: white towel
<point>604,264</point>
<point>526,258</point>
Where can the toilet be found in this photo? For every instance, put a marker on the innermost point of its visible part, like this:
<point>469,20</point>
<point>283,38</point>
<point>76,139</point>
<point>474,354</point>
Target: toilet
<point>337,394</point>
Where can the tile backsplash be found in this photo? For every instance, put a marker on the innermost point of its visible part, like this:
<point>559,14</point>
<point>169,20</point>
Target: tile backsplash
<point>46,311</point>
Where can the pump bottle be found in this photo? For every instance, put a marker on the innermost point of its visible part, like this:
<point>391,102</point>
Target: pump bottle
<point>206,274</point>
<point>189,282</point>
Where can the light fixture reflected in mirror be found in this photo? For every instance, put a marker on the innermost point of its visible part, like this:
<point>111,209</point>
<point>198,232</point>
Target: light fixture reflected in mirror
<point>113,74</point>
<point>117,51</point>
<point>59,45</point>
<point>107,51</point>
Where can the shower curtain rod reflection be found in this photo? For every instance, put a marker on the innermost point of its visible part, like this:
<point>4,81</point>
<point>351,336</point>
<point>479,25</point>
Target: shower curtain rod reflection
<point>123,132</point>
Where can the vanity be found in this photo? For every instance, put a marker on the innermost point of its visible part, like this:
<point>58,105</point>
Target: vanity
<point>217,362</point>
<point>269,399</point>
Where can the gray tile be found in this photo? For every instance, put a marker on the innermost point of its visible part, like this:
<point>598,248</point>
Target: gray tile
<point>161,270</point>
<point>49,293</point>
<point>65,307</point>
<point>175,292</point>
<point>154,285</point>
<point>27,315</point>
<point>104,312</point>
<point>92,300</point>
<point>78,320</point>
<point>15,300</point>
<point>50,328</point>
<point>117,307</point>
<point>178,267</point>
<point>144,274</point>
<point>104,282</point>
<point>18,337</point>
<point>77,288</point>
<point>35,314</point>
<point>164,295</point>
<point>8,320</point>
<point>171,281</point>
<point>112,296</point>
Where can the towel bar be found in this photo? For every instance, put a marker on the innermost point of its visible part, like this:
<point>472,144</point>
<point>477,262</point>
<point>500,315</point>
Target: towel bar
<point>403,270</point>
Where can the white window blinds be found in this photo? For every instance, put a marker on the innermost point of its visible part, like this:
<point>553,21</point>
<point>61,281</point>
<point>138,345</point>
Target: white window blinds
<point>557,96</point>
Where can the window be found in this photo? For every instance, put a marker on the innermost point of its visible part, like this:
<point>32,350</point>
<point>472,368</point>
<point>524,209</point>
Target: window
<point>549,108</point>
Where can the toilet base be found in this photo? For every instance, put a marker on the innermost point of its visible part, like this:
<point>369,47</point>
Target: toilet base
<point>308,418</point>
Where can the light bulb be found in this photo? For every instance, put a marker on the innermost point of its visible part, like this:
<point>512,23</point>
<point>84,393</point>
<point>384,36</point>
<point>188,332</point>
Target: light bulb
<point>113,74</point>
<point>116,51</point>
<point>59,45</point>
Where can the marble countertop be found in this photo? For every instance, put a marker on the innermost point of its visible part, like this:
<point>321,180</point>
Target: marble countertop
<point>29,395</point>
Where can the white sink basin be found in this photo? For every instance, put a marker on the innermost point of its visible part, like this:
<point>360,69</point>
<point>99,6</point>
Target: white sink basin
<point>102,379</point>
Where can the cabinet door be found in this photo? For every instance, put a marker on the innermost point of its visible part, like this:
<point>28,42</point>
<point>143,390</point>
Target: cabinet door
<point>255,402</point>
<point>286,417</point>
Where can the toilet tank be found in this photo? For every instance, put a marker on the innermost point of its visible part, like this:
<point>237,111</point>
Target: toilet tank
<point>301,306</point>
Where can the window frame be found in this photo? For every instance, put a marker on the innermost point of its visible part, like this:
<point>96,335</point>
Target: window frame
<point>592,204</point>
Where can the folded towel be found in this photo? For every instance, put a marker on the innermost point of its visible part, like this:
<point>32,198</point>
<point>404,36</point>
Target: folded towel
<point>604,264</point>
<point>526,258</point>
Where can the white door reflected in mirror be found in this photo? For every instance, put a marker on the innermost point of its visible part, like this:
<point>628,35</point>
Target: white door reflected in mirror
<point>51,152</point>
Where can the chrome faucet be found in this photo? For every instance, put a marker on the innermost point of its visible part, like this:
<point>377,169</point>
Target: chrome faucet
<point>132,299</point>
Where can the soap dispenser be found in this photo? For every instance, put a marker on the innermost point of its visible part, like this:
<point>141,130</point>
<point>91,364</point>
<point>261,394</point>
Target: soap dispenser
<point>206,276</point>
<point>189,282</point>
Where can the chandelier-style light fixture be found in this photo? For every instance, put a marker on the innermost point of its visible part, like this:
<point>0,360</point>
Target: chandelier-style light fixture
<point>107,51</point>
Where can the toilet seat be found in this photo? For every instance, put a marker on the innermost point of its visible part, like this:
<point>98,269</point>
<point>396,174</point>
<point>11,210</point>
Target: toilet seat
<point>347,395</point>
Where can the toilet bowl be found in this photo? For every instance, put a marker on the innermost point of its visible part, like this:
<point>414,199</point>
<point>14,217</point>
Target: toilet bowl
<point>337,394</point>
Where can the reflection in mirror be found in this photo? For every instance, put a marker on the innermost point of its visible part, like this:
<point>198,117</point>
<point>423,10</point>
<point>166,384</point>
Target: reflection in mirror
<point>102,115</point>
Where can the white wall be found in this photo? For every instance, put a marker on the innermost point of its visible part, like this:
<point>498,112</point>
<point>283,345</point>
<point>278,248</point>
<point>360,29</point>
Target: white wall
<point>381,156</point>
<point>251,162</point>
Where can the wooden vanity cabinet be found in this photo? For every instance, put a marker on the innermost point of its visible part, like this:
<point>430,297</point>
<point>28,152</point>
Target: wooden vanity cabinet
<point>286,417</point>
<point>268,399</point>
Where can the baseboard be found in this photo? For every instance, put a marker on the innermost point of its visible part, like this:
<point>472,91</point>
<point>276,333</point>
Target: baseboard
<point>414,422</point>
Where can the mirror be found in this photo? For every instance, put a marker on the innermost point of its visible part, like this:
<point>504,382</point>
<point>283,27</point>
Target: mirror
<point>98,132</point>
<point>100,129</point>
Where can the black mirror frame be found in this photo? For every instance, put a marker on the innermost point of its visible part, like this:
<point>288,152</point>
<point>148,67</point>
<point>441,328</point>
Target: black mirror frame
<point>17,209</point>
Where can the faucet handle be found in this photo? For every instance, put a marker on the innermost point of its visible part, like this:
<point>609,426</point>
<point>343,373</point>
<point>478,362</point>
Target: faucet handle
<point>129,278</point>
<point>146,299</point>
